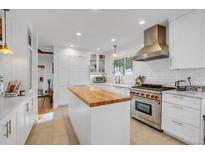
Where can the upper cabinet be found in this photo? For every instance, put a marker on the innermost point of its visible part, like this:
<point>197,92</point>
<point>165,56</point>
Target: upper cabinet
<point>97,63</point>
<point>186,41</point>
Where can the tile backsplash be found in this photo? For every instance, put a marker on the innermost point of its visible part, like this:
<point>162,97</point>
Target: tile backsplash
<point>158,72</point>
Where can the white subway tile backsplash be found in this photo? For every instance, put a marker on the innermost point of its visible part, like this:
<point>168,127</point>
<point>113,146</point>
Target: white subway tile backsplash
<point>158,72</point>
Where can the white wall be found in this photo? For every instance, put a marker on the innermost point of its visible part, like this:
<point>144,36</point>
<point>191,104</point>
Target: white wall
<point>46,60</point>
<point>156,71</point>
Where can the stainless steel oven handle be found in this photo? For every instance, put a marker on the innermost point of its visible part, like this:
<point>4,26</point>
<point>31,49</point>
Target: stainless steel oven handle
<point>145,101</point>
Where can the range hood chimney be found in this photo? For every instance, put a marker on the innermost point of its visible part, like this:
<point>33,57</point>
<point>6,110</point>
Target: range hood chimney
<point>154,45</point>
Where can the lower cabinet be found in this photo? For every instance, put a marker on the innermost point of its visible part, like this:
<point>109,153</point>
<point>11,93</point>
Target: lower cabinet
<point>8,129</point>
<point>181,118</point>
<point>20,124</point>
<point>16,126</point>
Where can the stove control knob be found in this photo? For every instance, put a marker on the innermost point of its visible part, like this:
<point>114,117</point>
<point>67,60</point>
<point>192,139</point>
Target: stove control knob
<point>152,96</point>
<point>147,95</point>
<point>156,97</point>
<point>142,94</point>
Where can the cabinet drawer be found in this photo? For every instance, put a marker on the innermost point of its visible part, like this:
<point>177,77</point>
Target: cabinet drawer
<point>184,114</point>
<point>182,100</point>
<point>183,131</point>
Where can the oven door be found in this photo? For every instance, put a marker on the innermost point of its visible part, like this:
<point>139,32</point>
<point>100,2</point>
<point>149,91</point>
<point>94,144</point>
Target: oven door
<point>146,109</point>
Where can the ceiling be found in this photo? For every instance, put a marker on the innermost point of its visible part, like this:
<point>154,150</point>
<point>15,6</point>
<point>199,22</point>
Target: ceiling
<point>98,27</point>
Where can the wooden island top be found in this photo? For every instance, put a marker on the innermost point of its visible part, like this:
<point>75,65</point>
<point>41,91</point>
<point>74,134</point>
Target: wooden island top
<point>93,96</point>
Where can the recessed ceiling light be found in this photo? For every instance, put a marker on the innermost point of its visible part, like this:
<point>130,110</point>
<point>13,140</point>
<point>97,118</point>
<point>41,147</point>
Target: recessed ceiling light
<point>78,34</point>
<point>113,40</point>
<point>98,48</point>
<point>71,45</point>
<point>142,22</point>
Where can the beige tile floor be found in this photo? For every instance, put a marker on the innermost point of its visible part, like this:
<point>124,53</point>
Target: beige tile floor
<point>55,128</point>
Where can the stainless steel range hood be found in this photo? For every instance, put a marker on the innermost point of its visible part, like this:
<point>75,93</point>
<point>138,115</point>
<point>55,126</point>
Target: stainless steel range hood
<point>154,45</point>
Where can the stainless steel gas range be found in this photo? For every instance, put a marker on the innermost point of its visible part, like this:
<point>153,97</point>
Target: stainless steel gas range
<point>146,103</point>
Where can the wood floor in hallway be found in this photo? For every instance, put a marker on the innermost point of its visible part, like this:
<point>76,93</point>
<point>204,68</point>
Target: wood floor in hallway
<point>55,128</point>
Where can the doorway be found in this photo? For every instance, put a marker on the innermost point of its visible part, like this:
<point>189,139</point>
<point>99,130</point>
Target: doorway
<point>45,81</point>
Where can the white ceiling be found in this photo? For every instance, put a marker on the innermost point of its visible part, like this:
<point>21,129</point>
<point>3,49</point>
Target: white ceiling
<point>98,27</point>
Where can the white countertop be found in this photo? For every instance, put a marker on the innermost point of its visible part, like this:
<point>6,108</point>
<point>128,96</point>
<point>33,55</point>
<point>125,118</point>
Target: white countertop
<point>117,85</point>
<point>8,104</point>
<point>194,94</point>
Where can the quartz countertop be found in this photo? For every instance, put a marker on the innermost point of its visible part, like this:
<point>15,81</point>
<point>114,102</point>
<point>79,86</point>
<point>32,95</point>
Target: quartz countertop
<point>194,94</point>
<point>8,104</point>
<point>93,96</point>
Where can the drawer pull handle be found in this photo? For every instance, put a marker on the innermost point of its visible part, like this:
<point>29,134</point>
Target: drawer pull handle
<point>7,129</point>
<point>27,107</point>
<point>178,107</point>
<point>179,123</point>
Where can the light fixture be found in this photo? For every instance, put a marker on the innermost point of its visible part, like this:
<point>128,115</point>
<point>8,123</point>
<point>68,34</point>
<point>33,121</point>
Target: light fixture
<point>113,40</point>
<point>79,34</point>
<point>98,48</point>
<point>115,54</point>
<point>71,45</point>
<point>4,49</point>
<point>142,22</point>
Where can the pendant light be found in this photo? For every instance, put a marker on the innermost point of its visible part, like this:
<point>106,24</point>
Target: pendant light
<point>115,54</point>
<point>4,49</point>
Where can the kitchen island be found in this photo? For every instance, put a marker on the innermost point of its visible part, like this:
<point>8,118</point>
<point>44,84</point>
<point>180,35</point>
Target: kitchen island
<point>99,116</point>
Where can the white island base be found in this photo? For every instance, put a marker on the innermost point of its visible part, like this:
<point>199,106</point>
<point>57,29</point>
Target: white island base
<point>101,125</point>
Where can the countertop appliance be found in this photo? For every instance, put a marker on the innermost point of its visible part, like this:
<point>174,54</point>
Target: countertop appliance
<point>139,80</point>
<point>155,46</point>
<point>181,85</point>
<point>146,103</point>
<point>99,79</point>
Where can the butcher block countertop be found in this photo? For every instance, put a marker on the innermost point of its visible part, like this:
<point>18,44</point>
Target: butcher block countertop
<point>93,96</point>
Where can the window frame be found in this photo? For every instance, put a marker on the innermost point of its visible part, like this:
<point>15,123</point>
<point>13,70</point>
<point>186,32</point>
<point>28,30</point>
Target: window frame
<point>123,72</point>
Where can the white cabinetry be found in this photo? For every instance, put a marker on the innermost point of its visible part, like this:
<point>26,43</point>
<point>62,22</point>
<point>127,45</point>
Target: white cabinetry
<point>97,63</point>
<point>72,68</point>
<point>181,118</point>
<point>30,115</point>
<point>186,41</point>
<point>20,123</point>
<point>8,129</point>
<point>16,126</point>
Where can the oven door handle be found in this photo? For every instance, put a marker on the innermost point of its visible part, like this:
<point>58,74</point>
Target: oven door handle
<point>145,101</point>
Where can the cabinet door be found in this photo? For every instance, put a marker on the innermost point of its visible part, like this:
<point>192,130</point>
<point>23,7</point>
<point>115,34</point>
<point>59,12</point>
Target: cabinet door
<point>63,97</point>
<point>32,112</point>
<point>27,119</point>
<point>20,125</point>
<point>185,44</point>
<point>4,132</point>
<point>8,127</point>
